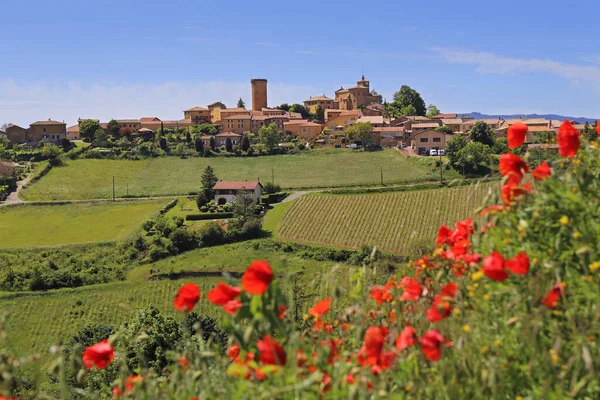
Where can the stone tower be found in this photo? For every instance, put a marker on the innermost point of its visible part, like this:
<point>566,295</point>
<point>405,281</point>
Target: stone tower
<point>259,94</point>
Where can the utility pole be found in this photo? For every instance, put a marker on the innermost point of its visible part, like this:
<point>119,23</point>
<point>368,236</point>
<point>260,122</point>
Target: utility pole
<point>127,189</point>
<point>272,176</point>
<point>114,188</point>
<point>381,176</point>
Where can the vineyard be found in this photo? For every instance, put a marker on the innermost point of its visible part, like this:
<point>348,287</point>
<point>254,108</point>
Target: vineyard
<point>395,222</point>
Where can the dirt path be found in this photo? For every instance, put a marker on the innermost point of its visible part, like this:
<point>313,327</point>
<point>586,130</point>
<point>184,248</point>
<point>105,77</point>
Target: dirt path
<point>294,196</point>
<point>13,198</point>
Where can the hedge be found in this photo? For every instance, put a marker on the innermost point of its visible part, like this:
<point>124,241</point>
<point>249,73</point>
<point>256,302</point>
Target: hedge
<point>200,217</point>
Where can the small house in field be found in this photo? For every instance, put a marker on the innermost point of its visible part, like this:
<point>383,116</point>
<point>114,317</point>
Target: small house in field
<point>225,192</point>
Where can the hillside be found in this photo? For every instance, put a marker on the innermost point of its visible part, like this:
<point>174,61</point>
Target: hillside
<point>581,120</point>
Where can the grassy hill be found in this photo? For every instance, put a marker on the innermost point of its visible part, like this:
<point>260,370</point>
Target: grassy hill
<point>394,222</point>
<point>92,179</point>
<point>48,225</point>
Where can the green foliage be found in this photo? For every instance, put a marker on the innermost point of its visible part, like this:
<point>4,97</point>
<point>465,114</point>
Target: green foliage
<point>51,152</point>
<point>407,101</point>
<point>453,147</point>
<point>100,138</point>
<point>432,111</point>
<point>362,131</point>
<point>500,146</point>
<point>204,129</point>
<point>445,129</point>
<point>208,180</point>
<point>482,133</point>
<point>474,157</point>
<point>284,107</point>
<point>271,187</point>
<point>228,145</point>
<point>113,129</point>
<point>319,113</point>
<point>299,108</point>
<point>88,128</point>
<point>241,104</point>
<point>245,143</point>
<point>269,136</point>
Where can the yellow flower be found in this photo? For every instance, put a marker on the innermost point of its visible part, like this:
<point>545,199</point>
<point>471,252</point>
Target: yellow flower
<point>471,294</point>
<point>507,231</point>
<point>564,220</point>
<point>484,349</point>
<point>574,189</point>
<point>535,260</point>
<point>407,388</point>
<point>518,398</point>
<point>498,342</point>
<point>521,229</point>
<point>506,241</point>
<point>555,358</point>
<point>456,311</point>
<point>467,328</point>
<point>595,266</point>
<point>576,235</point>
<point>550,251</point>
<point>486,297</point>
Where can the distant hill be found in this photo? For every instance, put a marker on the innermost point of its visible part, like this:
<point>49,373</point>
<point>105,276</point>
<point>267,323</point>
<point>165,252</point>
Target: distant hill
<point>581,120</point>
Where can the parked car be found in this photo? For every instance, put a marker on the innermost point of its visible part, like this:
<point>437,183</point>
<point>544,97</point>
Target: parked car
<point>352,146</point>
<point>433,152</point>
<point>442,152</point>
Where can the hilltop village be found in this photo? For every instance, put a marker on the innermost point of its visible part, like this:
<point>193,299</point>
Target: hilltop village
<point>321,120</point>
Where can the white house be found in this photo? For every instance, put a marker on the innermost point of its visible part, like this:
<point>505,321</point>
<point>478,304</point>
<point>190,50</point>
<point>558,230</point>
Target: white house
<point>225,192</point>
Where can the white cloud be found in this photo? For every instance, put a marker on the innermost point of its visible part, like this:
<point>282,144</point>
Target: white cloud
<point>494,64</point>
<point>25,102</point>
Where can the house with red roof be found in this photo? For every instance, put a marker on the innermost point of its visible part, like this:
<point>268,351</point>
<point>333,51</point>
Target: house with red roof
<point>225,192</point>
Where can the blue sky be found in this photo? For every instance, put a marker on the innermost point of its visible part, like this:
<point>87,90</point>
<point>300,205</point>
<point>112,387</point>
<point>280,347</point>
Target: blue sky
<point>130,58</point>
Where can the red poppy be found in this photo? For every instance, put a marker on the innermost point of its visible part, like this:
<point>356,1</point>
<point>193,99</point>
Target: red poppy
<point>183,362</point>
<point>519,264</point>
<point>551,299</point>
<point>257,277</point>
<point>407,338</point>
<point>271,352</point>
<point>493,267</point>
<point>439,310</point>
<point>431,345</point>
<point>541,172</point>
<point>568,139</point>
<point>187,297</point>
<point>334,353</point>
<point>511,192</point>
<point>233,352</point>
<point>281,311</point>
<point>598,128</point>
<point>449,290</point>
<point>223,293</point>
<point>516,134</point>
<point>370,352</point>
<point>512,166</point>
<point>412,289</point>
<point>320,308</point>
<point>232,307</point>
<point>444,234</point>
<point>131,381</point>
<point>99,355</point>
<point>380,295</point>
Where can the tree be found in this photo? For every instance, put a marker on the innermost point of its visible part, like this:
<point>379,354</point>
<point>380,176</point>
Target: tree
<point>268,135</point>
<point>589,132</point>
<point>474,157</point>
<point>245,143</point>
<point>482,133</point>
<point>113,129</point>
<point>204,129</point>
<point>162,142</point>
<point>199,145</point>
<point>87,128</point>
<point>188,137</point>
<point>241,104</point>
<point>100,138</point>
<point>453,147</point>
<point>228,145</point>
<point>445,129</point>
<point>362,131</point>
<point>208,180</point>
<point>284,107</point>
<point>319,113</point>
<point>432,111</point>
<point>403,98</point>
<point>299,108</point>
<point>213,143</point>
<point>51,151</point>
<point>66,144</point>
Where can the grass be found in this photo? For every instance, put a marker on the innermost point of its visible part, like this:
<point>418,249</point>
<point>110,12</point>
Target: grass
<point>49,225</point>
<point>273,217</point>
<point>114,303</point>
<point>92,179</point>
<point>394,222</point>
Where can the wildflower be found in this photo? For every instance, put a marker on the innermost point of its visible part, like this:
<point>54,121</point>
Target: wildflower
<point>484,349</point>
<point>595,266</point>
<point>439,310</point>
<point>512,166</point>
<point>320,308</point>
<point>516,134</point>
<point>187,297</point>
<point>381,295</point>
<point>467,328</point>
<point>568,140</point>
<point>486,297</point>
<point>100,355</point>
<point>334,353</point>
<point>511,191</point>
<point>412,289</point>
<point>444,234</point>
<point>257,277</point>
<point>233,352</point>
<point>493,267</point>
<point>281,311</point>
<point>224,295</point>
<point>519,264</point>
<point>551,299</point>
<point>498,342</point>
<point>407,337</point>
<point>541,172</point>
<point>371,353</point>
<point>431,345</point>
<point>598,128</point>
<point>183,362</point>
<point>564,220</point>
<point>131,381</point>
<point>477,275</point>
<point>271,352</point>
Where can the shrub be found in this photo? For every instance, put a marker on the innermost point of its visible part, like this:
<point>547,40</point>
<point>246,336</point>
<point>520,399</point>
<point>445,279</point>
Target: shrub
<point>183,239</point>
<point>211,234</point>
<point>270,187</point>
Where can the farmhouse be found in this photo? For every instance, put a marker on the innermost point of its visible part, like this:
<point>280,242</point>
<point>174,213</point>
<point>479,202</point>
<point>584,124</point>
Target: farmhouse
<point>429,139</point>
<point>225,192</point>
<point>46,130</point>
<point>221,138</point>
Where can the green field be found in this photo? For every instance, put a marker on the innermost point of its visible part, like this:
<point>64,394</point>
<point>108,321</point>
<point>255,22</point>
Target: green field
<point>394,222</point>
<point>92,179</point>
<point>48,225</point>
<point>72,309</point>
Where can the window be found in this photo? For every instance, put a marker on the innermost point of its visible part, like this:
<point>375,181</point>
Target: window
<point>424,140</point>
<point>44,130</point>
<point>437,139</point>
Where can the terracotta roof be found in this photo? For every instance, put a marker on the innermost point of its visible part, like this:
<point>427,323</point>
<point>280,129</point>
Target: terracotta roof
<point>446,116</point>
<point>238,109</point>
<point>375,106</point>
<point>486,120</point>
<point>417,118</point>
<point>543,145</point>
<point>128,121</point>
<point>239,116</point>
<point>49,122</point>
<point>295,122</point>
<point>294,115</point>
<point>316,98</point>
<point>236,185</point>
<point>309,124</point>
<point>388,129</point>
<point>149,119</point>
<point>268,117</point>
<point>215,103</point>
<point>352,112</point>
<point>543,129</point>
<point>378,119</point>
<point>74,128</point>
<point>532,121</point>
<point>2,131</point>
<point>11,125</point>
<point>452,121</point>
<point>228,134</point>
<point>430,130</point>
<point>425,125</point>
<point>197,109</point>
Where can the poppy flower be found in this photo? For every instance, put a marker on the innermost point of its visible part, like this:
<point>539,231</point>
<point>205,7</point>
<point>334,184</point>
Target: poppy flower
<point>281,311</point>
<point>511,192</point>
<point>541,172</point>
<point>187,297</point>
<point>257,277</point>
<point>370,352</point>
<point>439,310</point>
<point>232,307</point>
<point>431,345</point>
<point>223,293</point>
<point>449,290</point>
<point>183,362</point>
<point>131,381</point>
<point>516,135</point>
<point>380,295</point>
<point>551,299</point>
<point>99,355</point>
<point>513,166</point>
<point>598,128</point>
<point>233,352</point>
<point>407,338</point>
<point>519,264</point>
<point>334,353</point>
<point>412,289</point>
<point>493,267</point>
<point>271,352</point>
<point>320,308</point>
<point>443,235</point>
<point>568,139</point>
